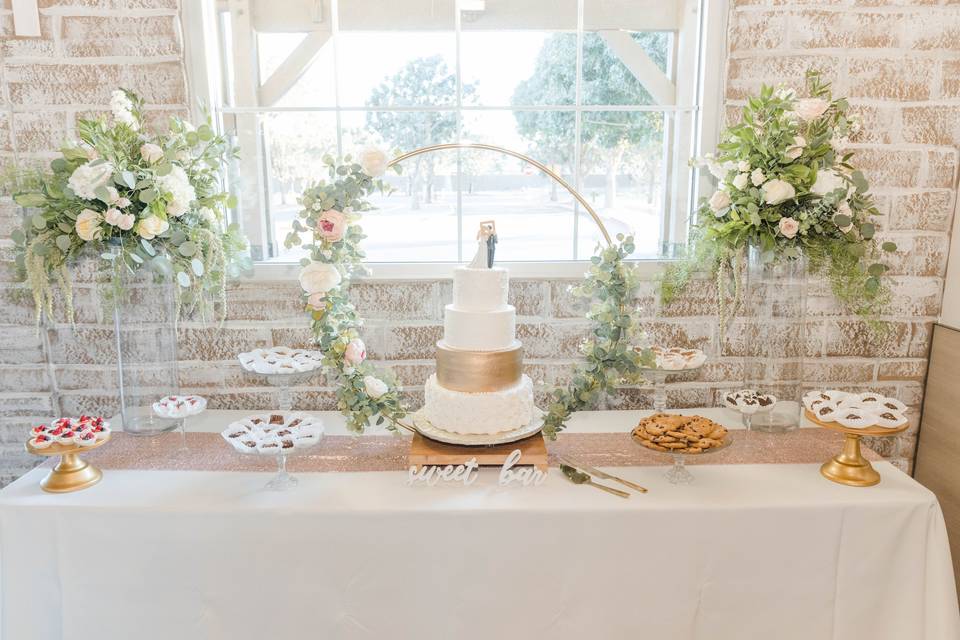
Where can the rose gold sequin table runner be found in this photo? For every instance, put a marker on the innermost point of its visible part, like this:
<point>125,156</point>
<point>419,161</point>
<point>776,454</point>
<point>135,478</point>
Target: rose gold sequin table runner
<point>209,452</point>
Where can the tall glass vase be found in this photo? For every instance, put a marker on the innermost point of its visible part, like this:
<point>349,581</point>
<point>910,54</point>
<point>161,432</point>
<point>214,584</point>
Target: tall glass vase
<point>775,302</point>
<point>145,338</point>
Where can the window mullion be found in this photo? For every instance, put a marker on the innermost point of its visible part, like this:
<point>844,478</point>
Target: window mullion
<point>577,104</point>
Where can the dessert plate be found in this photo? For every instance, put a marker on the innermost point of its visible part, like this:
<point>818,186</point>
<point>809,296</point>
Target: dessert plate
<point>427,430</point>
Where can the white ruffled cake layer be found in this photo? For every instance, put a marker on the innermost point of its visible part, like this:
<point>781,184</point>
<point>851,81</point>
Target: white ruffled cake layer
<point>478,413</point>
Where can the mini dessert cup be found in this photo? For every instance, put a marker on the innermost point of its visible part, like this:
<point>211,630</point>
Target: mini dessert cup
<point>86,438</point>
<point>41,441</point>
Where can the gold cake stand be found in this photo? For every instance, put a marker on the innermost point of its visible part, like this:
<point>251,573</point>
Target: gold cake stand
<point>72,472</point>
<point>849,466</point>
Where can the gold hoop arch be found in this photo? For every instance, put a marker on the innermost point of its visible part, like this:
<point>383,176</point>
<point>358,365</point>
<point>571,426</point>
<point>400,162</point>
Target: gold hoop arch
<point>539,165</point>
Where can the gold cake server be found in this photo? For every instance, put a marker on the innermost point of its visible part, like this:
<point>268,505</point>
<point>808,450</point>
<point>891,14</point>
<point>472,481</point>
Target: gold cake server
<point>603,474</point>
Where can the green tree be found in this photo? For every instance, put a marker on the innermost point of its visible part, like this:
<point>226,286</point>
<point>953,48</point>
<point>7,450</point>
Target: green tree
<point>606,136</point>
<point>422,82</point>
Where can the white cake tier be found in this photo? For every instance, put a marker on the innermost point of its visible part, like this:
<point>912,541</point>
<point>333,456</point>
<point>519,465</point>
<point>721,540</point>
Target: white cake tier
<point>480,289</point>
<point>493,412</point>
<point>479,330</point>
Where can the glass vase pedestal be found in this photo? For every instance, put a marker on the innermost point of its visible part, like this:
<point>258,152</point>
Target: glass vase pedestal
<point>774,338</point>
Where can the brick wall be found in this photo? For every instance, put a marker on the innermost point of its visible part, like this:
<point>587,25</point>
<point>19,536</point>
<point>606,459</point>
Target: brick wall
<point>898,61</point>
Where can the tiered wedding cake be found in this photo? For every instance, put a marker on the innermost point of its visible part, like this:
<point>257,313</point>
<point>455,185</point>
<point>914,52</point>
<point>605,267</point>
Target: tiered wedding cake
<point>479,387</point>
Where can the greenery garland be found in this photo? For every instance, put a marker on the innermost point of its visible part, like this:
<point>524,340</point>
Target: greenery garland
<point>136,198</point>
<point>610,352</point>
<point>788,188</point>
<point>331,211</point>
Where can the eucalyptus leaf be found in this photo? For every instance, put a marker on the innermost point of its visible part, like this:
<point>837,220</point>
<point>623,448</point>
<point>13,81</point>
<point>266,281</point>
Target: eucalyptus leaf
<point>17,236</point>
<point>63,243</point>
<point>877,269</point>
<point>148,247</point>
<point>197,265</point>
<point>867,230</point>
<point>164,169</point>
<point>135,258</point>
<point>183,279</point>
<point>38,222</point>
<point>889,246</point>
<point>66,227</point>
<point>129,179</point>
<point>187,249</point>
<point>30,199</point>
<point>148,195</point>
<point>108,256</point>
<point>178,237</point>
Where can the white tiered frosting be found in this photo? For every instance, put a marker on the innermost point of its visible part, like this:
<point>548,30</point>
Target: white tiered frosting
<point>472,413</point>
<point>480,318</point>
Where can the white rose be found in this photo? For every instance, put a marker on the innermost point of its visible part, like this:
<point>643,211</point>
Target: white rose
<point>811,108</point>
<point>777,191</point>
<point>88,225</point>
<point>719,200</point>
<point>181,193</point>
<point>151,152</point>
<point>87,178</point>
<point>374,387</point>
<point>757,177</point>
<point>319,277</point>
<point>112,217</point>
<point>126,221</point>
<point>795,150</point>
<point>743,165</point>
<point>741,181</point>
<point>373,161</point>
<point>789,227</point>
<point>151,227</point>
<point>827,181</point>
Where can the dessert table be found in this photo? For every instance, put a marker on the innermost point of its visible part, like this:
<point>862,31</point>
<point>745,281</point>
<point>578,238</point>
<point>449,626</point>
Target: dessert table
<point>746,551</point>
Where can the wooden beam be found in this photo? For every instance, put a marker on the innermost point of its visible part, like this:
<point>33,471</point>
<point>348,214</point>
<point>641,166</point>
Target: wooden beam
<point>294,66</point>
<point>645,70</point>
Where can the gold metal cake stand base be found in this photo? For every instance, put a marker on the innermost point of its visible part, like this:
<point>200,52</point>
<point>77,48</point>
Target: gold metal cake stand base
<point>72,473</point>
<point>849,467</point>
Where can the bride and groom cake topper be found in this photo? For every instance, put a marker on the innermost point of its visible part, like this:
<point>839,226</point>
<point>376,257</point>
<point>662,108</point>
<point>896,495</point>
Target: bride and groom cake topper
<point>486,246</point>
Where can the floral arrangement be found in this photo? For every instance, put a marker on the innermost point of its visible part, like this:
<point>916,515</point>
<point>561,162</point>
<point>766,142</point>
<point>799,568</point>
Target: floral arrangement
<point>138,199</point>
<point>331,215</point>
<point>611,358</point>
<point>788,188</point>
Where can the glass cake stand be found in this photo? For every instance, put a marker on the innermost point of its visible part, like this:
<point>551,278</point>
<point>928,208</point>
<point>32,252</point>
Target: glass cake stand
<point>282,480</point>
<point>659,378</point>
<point>285,383</point>
<point>679,473</point>
<point>166,408</point>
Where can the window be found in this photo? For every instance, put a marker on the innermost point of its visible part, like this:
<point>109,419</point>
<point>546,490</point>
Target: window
<point>606,92</point>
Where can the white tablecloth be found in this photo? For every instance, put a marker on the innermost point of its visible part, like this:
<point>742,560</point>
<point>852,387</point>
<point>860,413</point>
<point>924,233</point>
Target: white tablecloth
<point>750,551</point>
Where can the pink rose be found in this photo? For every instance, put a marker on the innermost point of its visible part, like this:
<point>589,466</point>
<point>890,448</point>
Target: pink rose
<point>331,224</point>
<point>789,227</point>
<point>356,352</point>
<point>316,301</point>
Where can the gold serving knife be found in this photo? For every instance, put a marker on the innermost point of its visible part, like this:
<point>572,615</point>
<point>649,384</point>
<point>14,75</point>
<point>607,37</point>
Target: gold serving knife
<point>602,474</point>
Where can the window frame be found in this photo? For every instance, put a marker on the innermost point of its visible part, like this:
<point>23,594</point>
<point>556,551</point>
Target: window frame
<point>202,68</point>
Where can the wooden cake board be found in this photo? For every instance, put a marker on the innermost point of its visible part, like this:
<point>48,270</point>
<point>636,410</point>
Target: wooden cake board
<point>426,452</point>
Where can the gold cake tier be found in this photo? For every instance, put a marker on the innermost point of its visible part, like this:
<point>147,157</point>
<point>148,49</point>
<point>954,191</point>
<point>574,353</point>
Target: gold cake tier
<point>478,371</point>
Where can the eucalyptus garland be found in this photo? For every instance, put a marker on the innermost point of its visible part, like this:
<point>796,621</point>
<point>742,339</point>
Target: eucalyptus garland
<point>611,358</point>
<point>330,214</point>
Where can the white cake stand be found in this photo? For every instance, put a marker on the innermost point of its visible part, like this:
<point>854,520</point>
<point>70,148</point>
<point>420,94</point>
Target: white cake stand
<point>428,430</point>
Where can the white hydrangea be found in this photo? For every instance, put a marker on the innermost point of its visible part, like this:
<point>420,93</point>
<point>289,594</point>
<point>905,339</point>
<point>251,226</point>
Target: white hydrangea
<point>181,192</point>
<point>88,177</point>
<point>122,109</point>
